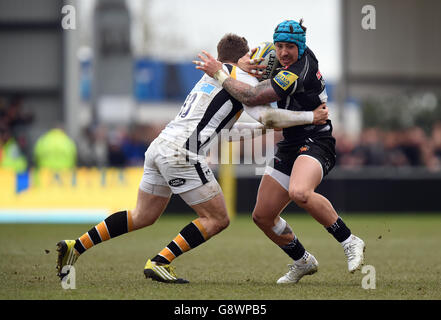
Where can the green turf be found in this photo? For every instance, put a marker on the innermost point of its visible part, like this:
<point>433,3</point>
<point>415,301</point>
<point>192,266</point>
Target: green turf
<point>239,263</point>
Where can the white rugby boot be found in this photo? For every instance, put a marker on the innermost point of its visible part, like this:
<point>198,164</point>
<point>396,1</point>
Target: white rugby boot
<point>354,249</point>
<point>299,269</point>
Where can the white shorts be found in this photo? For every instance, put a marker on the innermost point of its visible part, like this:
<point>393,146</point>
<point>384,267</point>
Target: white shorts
<point>166,165</point>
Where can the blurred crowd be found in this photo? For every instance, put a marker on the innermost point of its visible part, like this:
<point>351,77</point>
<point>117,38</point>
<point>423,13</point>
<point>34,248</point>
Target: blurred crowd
<point>399,148</point>
<point>96,146</point>
<point>107,146</point>
<point>13,140</point>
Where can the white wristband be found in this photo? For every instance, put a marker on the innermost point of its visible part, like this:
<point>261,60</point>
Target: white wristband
<point>220,76</point>
<point>309,116</point>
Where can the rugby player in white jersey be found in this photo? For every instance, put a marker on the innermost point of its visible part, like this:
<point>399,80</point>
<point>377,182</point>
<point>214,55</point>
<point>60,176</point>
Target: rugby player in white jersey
<point>175,163</point>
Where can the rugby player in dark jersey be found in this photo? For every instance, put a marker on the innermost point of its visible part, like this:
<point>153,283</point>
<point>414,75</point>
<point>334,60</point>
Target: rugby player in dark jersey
<point>305,155</point>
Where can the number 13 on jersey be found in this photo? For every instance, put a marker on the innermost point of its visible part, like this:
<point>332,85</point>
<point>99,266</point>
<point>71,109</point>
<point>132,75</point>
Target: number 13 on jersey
<point>188,104</point>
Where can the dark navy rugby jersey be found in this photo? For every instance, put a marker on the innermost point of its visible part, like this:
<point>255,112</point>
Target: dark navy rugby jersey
<point>301,87</point>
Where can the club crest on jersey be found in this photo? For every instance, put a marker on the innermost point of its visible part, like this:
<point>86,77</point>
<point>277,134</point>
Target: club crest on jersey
<point>285,79</point>
<point>176,182</point>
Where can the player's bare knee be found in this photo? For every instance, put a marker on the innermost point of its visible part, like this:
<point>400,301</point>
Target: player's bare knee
<point>261,221</point>
<point>141,219</point>
<point>299,196</point>
<point>257,218</point>
<point>214,225</point>
<point>220,224</point>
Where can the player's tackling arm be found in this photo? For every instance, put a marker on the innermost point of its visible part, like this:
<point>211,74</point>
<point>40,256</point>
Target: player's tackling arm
<point>256,96</point>
<point>281,118</point>
<point>241,131</point>
<point>261,94</point>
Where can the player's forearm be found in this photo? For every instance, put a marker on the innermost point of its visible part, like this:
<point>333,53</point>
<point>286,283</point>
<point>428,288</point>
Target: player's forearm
<point>241,91</point>
<point>247,126</point>
<point>249,95</point>
<point>279,118</point>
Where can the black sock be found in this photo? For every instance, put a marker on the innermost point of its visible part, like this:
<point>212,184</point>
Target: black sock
<point>113,226</point>
<point>339,230</point>
<point>294,249</point>
<point>189,238</point>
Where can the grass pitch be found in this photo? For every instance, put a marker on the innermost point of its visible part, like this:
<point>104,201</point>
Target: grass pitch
<point>239,263</point>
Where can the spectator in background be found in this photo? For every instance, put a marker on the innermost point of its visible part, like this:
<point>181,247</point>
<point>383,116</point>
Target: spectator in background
<point>428,156</point>
<point>14,120</point>
<point>55,150</point>
<point>15,117</point>
<point>134,146</point>
<point>413,140</point>
<point>370,150</point>
<point>93,147</point>
<point>11,156</point>
<point>86,144</point>
<point>436,138</point>
<point>345,151</point>
<point>115,154</point>
<point>427,148</point>
<point>101,147</point>
<point>394,154</point>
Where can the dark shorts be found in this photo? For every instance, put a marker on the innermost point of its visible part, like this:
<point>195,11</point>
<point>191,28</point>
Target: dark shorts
<point>320,148</point>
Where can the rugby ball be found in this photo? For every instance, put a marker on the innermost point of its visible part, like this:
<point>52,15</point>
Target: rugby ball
<point>267,51</point>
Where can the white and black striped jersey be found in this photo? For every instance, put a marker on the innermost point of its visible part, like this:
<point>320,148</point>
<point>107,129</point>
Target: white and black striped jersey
<point>207,110</point>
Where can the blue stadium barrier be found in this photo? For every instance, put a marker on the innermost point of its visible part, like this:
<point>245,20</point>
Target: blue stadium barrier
<point>149,80</point>
<point>188,76</point>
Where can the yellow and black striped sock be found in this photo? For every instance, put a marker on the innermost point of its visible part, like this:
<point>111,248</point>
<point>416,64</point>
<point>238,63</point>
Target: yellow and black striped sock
<point>190,237</point>
<point>114,225</point>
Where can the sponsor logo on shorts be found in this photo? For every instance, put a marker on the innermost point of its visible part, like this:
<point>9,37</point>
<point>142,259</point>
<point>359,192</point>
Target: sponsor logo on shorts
<point>176,182</point>
<point>285,79</point>
<point>303,148</point>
